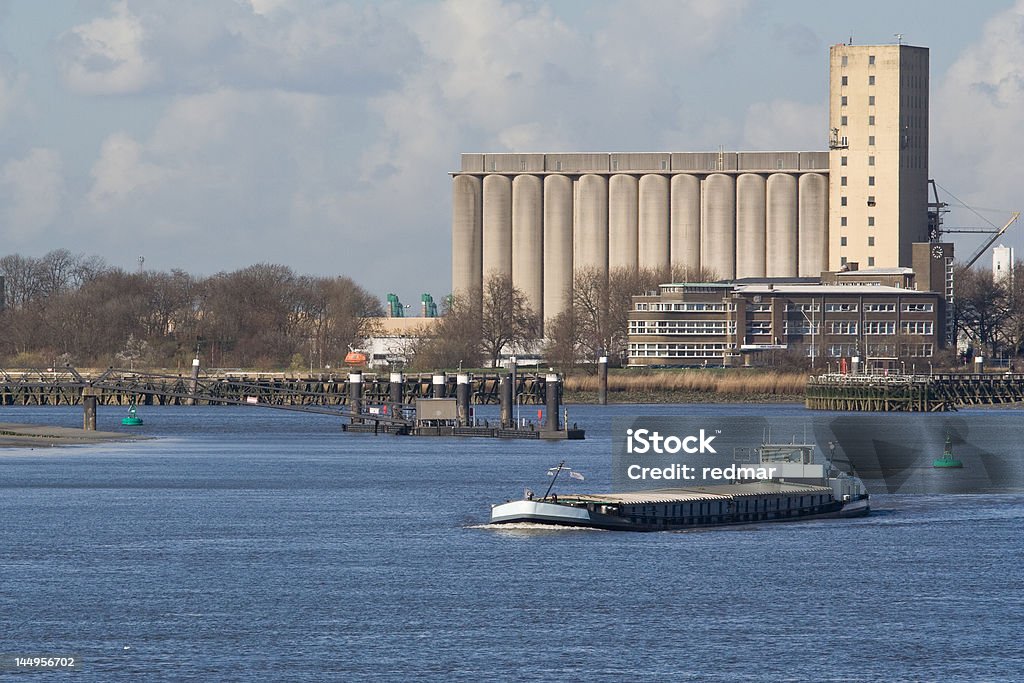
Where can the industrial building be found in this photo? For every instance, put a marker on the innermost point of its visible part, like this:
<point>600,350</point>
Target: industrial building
<point>693,324</point>
<point>878,315</point>
<point>538,218</point>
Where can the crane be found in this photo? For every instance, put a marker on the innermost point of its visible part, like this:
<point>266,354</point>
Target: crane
<point>991,240</point>
<point>936,210</point>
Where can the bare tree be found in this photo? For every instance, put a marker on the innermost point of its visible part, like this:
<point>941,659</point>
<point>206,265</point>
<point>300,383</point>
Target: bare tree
<point>506,318</point>
<point>982,307</point>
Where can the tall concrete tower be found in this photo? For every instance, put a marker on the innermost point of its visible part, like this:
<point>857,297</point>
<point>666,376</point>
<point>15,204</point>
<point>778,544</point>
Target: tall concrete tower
<point>1002,263</point>
<point>878,154</point>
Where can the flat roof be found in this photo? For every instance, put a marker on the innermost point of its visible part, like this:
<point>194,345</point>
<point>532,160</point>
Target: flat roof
<point>716,492</point>
<point>828,289</point>
<point>875,271</point>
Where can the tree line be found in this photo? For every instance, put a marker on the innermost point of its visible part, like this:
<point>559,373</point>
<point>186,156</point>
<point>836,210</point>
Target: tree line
<point>990,311</point>
<point>595,321</point>
<point>71,308</point>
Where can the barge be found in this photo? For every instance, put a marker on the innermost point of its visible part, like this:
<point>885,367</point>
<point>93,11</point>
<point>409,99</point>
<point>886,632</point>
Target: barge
<point>797,489</point>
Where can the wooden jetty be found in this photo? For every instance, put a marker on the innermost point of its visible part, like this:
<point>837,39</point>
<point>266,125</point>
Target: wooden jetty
<point>435,404</point>
<point>912,393</point>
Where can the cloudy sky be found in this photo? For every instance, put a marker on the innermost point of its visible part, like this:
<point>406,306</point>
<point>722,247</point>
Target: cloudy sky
<point>212,134</point>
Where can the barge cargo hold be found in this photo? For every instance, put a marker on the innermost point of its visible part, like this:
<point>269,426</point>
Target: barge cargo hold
<point>798,490</point>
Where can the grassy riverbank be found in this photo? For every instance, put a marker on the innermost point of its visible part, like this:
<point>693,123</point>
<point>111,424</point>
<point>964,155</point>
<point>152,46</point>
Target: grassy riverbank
<point>690,386</point>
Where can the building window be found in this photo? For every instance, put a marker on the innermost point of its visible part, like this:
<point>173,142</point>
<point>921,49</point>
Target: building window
<point>846,60</point>
<point>842,180</point>
<point>840,308</point>
<point>871,80</point>
<point>842,260</point>
<point>871,160</point>
<point>842,240</point>
<point>842,161</point>
<point>871,180</point>
<point>842,201</point>
<point>871,60</point>
<point>871,239</point>
<point>641,307</point>
<point>916,350</point>
<point>871,140</point>
<point>871,224</point>
<point>871,200</point>
<point>924,327</point>
<point>842,121</point>
<point>871,260</point>
<point>842,222</point>
<point>881,308</point>
<point>871,100</point>
<point>918,308</point>
<point>845,82</point>
<point>879,327</point>
<point>871,120</point>
<point>842,327</point>
<point>844,100</point>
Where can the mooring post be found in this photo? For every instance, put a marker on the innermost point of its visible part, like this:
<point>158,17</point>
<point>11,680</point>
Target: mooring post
<point>89,405</point>
<point>462,391</point>
<point>355,393</point>
<point>602,380</point>
<point>395,393</point>
<point>552,398</point>
<point>505,391</point>
<point>437,386</point>
<point>194,385</point>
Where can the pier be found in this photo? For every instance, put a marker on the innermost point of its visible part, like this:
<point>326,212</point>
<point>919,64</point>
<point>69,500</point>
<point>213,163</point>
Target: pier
<point>435,404</point>
<point>936,392</point>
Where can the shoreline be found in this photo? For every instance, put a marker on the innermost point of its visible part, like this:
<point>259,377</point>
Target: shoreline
<point>19,435</point>
<point>682,396</point>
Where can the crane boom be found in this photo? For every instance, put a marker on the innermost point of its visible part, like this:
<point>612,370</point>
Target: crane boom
<point>991,240</point>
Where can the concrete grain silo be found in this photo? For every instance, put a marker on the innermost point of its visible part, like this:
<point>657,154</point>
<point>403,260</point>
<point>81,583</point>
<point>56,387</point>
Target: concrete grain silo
<point>590,236</point>
<point>684,238</point>
<point>467,236</point>
<point>813,224</point>
<point>528,239</point>
<point>781,226</point>
<point>750,225</point>
<point>497,241</point>
<point>558,243</point>
<point>653,242</point>
<point>623,206</point>
<point>718,225</point>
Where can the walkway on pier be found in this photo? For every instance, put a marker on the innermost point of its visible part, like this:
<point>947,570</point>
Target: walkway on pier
<point>917,393</point>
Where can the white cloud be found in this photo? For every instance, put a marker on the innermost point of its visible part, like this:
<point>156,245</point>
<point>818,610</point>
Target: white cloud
<point>197,45</point>
<point>786,125</point>
<point>977,113</point>
<point>31,192</point>
<point>106,55</point>
<point>121,171</point>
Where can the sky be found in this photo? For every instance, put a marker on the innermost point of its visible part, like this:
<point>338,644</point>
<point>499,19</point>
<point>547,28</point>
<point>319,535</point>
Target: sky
<point>209,135</point>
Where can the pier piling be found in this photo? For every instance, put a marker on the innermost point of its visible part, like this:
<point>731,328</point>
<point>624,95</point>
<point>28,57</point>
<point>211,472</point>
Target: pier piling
<point>506,400</point>
<point>355,389</point>
<point>437,386</point>
<point>602,380</point>
<point>553,400</point>
<point>395,392</point>
<point>89,405</point>
<point>462,391</point>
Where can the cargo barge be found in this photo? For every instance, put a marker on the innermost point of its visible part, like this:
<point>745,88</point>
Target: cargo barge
<point>797,489</point>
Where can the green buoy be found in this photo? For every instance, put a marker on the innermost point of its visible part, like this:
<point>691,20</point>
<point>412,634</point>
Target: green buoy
<point>947,459</point>
<point>133,420</point>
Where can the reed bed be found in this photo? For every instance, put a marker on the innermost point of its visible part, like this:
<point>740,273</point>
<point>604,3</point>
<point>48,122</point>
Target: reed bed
<point>719,382</point>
